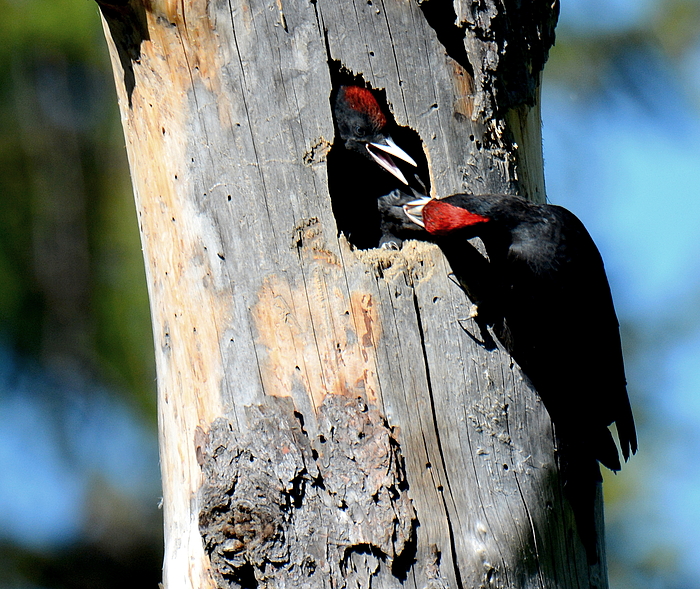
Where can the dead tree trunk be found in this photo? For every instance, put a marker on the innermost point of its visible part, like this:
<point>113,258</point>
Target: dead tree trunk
<point>324,419</point>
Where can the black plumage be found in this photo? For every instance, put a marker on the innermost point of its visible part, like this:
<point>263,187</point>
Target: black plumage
<point>366,163</point>
<point>547,296</point>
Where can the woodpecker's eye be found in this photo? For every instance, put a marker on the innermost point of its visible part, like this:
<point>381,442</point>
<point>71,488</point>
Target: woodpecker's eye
<point>360,131</point>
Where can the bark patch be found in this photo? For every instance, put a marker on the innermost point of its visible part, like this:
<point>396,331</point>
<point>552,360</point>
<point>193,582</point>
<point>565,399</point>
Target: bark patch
<point>507,42</point>
<point>282,508</point>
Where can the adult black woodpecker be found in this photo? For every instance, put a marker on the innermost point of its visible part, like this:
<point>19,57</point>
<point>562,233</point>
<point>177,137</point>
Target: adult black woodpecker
<point>550,305</point>
<point>365,164</point>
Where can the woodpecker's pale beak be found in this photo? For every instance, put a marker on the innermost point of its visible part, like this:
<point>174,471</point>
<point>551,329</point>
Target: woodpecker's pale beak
<point>414,210</point>
<point>382,152</point>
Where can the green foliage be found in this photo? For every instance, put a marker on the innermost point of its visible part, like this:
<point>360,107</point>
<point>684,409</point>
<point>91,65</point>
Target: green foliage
<point>581,58</point>
<point>72,281</point>
<point>676,26</point>
<point>70,26</point>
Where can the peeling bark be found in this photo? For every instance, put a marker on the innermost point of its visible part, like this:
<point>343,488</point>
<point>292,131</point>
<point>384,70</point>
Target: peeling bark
<point>326,416</point>
<point>266,498</point>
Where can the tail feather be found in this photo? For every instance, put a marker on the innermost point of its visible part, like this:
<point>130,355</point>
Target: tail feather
<point>626,431</point>
<point>605,449</point>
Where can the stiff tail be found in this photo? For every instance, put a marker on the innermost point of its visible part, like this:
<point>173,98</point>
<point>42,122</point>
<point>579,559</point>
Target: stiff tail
<point>605,450</point>
<point>626,431</point>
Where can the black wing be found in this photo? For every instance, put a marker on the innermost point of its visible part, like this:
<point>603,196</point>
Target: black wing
<point>564,333</point>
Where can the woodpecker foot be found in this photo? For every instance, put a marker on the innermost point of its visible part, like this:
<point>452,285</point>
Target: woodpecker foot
<point>487,340</point>
<point>390,243</point>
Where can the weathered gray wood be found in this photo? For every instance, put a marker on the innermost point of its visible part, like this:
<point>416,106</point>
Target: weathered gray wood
<point>325,418</point>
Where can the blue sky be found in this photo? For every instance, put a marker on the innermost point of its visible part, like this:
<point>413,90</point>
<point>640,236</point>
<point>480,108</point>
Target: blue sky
<point>635,184</point>
<point>58,439</point>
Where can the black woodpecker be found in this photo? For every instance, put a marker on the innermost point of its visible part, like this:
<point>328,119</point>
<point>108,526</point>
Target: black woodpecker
<point>365,164</point>
<point>550,305</point>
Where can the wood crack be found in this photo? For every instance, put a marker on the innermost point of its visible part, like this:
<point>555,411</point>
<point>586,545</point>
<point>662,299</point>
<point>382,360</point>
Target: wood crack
<point>441,490</point>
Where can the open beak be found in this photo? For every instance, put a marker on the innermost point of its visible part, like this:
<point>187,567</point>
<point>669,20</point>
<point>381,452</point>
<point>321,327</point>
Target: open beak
<point>414,210</point>
<point>382,152</point>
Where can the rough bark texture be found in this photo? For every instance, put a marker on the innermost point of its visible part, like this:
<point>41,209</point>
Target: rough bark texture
<point>326,417</point>
<point>267,501</point>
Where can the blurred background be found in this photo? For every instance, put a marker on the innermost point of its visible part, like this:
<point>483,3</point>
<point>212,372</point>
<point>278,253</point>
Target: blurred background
<point>79,482</point>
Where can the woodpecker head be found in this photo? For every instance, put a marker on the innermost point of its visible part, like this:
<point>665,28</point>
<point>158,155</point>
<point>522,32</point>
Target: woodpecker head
<point>440,217</point>
<point>363,128</point>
